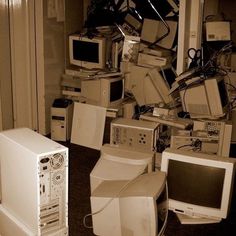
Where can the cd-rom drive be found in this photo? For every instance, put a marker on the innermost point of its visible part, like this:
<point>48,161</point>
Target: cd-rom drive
<point>134,134</point>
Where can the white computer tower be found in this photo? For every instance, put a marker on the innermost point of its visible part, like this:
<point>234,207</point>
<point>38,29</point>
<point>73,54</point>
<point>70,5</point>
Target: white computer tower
<point>34,184</point>
<point>61,122</point>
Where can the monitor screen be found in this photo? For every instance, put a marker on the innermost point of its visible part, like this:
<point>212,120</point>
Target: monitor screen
<point>116,90</point>
<point>223,93</point>
<point>106,92</point>
<point>162,78</point>
<point>206,99</point>
<point>169,75</point>
<point>86,51</point>
<point>199,185</point>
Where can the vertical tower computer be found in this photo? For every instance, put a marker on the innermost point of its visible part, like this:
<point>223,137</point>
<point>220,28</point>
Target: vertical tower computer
<point>34,190</point>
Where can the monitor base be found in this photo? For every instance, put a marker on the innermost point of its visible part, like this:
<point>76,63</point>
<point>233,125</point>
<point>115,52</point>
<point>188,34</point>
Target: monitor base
<point>185,219</point>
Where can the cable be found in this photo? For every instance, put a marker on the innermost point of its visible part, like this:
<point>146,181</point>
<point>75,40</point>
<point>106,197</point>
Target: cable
<point>196,144</point>
<point>108,202</point>
<point>187,86</point>
<point>185,145</point>
<point>117,195</point>
<point>211,63</point>
<point>163,21</point>
<point>165,221</point>
<point>234,88</point>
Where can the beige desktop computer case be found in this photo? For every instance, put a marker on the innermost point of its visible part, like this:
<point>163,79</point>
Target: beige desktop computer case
<point>34,189</point>
<point>61,122</point>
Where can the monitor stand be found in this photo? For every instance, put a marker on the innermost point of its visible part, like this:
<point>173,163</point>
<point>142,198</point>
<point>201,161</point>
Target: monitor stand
<point>185,219</point>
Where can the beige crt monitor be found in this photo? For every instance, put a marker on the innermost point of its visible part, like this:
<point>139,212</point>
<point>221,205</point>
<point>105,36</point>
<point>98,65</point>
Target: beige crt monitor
<point>103,91</point>
<point>117,163</point>
<point>150,85</point>
<point>130,207</point>
<point>153,30</point>
<point>208,99</point>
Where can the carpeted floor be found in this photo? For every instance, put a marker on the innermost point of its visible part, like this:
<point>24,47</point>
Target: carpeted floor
<point>82,161</point>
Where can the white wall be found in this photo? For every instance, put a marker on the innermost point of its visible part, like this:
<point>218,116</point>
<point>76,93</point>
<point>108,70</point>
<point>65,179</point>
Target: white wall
<point>23,63</point>
<point>189,31</point>
<point>6,113</point>
<point>51,52</point>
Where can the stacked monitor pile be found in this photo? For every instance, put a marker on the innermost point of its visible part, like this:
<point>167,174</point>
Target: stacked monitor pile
<point>181,122</point>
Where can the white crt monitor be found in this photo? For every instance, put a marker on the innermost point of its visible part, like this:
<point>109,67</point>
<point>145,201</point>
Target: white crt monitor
<point>151,85</point>
<point>137,207</point>
<point>206,100</point>
<point>105,92</point>
<point>118,163</point>
<point>89,53</point>
<point>199,185</point>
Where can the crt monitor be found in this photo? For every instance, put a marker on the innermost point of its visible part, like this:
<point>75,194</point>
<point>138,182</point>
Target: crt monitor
<point>117,163</point>
<point>134,207</point>
<point>199,185</point>
<point>208,99</point>
<point>89,53</point>
<point>105,92</point>
<point>151,85</point>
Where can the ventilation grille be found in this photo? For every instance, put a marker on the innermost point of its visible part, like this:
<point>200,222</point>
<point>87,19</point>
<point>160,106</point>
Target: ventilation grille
<point>58,177</point>
<point>198,109</point>
<point>57,160</point>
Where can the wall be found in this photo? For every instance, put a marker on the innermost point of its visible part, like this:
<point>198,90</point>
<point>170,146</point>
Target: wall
<point>74,21</point>
<point>228,8</point>
<point>54,60</point>
<point>6,113</point>
<point>52,53</point>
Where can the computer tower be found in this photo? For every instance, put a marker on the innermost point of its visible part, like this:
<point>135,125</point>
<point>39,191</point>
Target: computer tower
<point>61,119</point>
<point>34,184</point>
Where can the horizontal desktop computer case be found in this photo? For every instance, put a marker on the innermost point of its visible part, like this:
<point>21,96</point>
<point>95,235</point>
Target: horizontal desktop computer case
<point>34,184</point>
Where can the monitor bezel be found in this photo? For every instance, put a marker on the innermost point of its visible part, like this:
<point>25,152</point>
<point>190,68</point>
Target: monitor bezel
<point>97,91</point>
<point>106,92</point>
<point>217,108</point>
<point>88,64</point>
<point>207,160</point>
<point>205,95</point>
